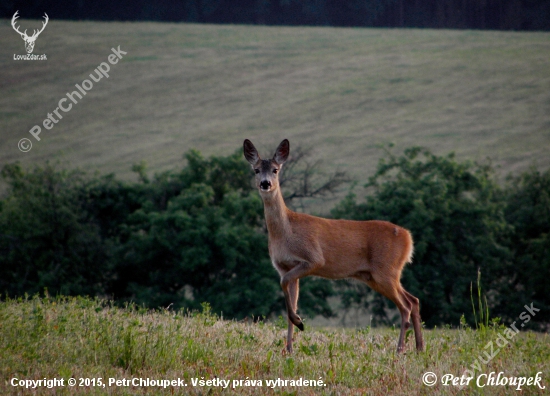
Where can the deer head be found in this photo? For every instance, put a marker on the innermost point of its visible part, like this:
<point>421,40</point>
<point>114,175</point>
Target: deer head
<point>267,178</point>
<point>29,41</point>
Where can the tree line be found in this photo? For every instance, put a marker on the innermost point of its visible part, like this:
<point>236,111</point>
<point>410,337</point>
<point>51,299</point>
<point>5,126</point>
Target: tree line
<point>197,234</point>
<point>450,14</point>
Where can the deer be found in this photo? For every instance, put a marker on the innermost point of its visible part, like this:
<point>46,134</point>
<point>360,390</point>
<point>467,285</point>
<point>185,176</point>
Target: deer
<point>373,251</point>
<point>29,41</point>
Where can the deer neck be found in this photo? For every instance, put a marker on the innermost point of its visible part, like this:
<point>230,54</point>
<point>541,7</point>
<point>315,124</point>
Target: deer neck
<point>276,214</point>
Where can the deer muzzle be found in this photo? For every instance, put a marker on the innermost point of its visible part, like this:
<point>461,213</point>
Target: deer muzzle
<point>265,185</point>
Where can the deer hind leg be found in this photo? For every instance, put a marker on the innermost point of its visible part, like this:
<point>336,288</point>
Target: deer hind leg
<point>415,315</point>
<point>390,287</point>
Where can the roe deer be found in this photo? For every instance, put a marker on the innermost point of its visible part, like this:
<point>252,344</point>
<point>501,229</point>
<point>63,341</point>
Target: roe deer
<point>300,245</point>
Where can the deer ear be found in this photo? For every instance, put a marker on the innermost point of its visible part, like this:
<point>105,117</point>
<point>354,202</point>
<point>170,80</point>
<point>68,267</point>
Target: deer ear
<point>250,152</point>
<point>281,155</point>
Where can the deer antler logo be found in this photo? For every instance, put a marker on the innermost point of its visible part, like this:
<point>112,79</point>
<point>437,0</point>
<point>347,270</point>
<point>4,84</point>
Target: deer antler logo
<point>29,41</point>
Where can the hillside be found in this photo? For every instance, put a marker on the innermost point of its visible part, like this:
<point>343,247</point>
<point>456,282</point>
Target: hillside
<point>344,92</point>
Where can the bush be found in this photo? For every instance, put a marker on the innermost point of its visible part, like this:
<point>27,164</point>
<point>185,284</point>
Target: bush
<point>184,237</point>
<point>528,211</point>
<point>177,239</point>
<point>48,238</point>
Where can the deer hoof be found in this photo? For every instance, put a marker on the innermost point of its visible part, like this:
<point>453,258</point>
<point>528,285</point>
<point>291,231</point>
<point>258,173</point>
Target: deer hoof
<point>297,321</point>
<point>287,350</point>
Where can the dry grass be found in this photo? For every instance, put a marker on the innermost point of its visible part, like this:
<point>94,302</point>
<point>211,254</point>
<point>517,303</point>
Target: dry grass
<point>344,91</point>
<point>82,338</point>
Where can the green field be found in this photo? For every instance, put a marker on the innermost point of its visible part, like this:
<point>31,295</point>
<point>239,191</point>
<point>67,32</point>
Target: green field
<point>343,91</point>
<point>82,338</point>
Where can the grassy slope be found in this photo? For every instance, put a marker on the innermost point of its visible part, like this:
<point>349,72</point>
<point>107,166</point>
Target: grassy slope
<point>345,91</point>
<point>56,338</point>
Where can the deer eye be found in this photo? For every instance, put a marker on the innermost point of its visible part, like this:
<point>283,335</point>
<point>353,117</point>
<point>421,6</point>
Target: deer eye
<point>257,171</point>
<point>275,170</point>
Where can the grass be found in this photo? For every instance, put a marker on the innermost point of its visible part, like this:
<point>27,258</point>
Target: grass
<point>481,318</point>
<point>45,337</point>
<point>343,91</point>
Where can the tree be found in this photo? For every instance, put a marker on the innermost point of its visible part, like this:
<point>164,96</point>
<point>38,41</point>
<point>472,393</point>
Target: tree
<point>304,180</point>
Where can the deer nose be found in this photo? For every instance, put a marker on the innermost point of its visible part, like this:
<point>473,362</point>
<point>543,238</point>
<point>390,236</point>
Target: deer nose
<point>265,184</point>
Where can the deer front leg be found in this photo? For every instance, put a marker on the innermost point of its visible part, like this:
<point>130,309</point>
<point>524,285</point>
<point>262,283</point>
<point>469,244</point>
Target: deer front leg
<point>289,281</point>
<point>293,289</point>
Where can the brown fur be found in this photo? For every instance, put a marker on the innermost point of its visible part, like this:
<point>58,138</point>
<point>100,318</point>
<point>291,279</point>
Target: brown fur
<point>300,245</point>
